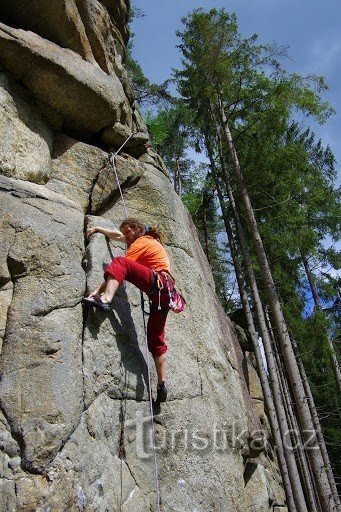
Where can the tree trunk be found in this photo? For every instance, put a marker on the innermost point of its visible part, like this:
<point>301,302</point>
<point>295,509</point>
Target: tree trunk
<point>333,357</point>
<point>177,177</point>
<point>319,433</point>
<point>306,424</point>
<point>272,408</point>
<point>310,278</point>
<point>310,490</point>
<point>276,392</point>
<point>293,472</point>
<point>292,487</point>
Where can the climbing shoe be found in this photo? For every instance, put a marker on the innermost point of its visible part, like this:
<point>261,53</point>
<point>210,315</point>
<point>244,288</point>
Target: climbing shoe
<point>161,395</point>
<point>98,303</point>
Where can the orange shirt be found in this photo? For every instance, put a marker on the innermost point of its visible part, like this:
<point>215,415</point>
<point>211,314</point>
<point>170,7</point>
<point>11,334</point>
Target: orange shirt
<point>149,252</point>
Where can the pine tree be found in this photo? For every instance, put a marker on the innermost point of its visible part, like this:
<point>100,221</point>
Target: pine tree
<point>224,72</point>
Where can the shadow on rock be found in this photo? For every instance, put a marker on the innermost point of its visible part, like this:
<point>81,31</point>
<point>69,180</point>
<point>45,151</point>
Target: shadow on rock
<point>132,358</point>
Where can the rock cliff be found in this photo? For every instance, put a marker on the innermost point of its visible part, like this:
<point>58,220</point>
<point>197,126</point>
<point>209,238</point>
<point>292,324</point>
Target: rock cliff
<point>74,429</point>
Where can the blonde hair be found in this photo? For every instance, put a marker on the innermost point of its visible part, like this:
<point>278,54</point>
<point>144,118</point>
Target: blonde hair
<point>142,229</point>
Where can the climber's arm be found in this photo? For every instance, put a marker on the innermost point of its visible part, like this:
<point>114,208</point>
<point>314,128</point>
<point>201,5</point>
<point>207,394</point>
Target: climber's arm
<point>113,234</point>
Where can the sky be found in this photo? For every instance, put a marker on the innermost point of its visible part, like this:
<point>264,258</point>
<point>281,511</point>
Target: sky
<point>311,29</point>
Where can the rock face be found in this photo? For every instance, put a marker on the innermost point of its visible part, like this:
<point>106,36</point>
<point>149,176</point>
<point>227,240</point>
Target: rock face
<point>75,431</point>
<point>26,139</point>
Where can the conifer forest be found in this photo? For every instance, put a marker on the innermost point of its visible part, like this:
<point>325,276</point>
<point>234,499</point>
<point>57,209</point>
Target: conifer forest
<point>262,193</point>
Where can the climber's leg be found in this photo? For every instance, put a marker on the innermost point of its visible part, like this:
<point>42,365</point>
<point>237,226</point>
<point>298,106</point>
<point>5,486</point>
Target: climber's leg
<point>118,270</point>
<point>122,268</point>
<point>157,342</point>
<point>161,365</point>
<point>110,289</point>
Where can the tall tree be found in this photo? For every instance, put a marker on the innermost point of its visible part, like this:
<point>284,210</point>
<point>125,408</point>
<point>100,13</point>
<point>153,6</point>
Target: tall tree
<point>170,130</point>
<point>293,488</point>
<point>224,71</point>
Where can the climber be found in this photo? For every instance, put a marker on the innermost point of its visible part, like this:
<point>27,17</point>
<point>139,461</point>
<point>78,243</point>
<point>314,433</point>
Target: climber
<point>146,265</point>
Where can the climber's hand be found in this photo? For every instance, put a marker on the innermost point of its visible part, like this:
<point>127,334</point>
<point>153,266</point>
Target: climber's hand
<point>90,232</point>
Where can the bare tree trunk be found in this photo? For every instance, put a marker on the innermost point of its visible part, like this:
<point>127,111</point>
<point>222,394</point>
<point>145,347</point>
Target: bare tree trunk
<point>310,279</point>
<point>319,434</point>
<point>177,177</point>
<point>292,468</point>
<point>272,408</point>
<point>306,423</point>
<point>291,482</point>
<point>310,490</point>
<point>333,357</point>
<point>276,392</point>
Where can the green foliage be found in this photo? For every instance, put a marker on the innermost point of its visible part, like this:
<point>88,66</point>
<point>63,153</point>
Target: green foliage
<point>170,129</point>
<point>289,175</point>
<point>200,199</point>
<point>171,135</point>
<point>146,93</point>
<point>316,353</point>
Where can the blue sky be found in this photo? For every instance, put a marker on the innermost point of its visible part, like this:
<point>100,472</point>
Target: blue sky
<point>311,29</point>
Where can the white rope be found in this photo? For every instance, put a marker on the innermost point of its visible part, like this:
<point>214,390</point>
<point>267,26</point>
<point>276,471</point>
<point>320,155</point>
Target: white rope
<point>156,471</point>
<point>112,161</point>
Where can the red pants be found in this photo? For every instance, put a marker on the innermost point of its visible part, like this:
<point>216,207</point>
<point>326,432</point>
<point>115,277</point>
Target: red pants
<point>142,277</point>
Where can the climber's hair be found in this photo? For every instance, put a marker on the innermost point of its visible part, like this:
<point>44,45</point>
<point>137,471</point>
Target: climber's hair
<point>142,229</point>
<point>155,232</point>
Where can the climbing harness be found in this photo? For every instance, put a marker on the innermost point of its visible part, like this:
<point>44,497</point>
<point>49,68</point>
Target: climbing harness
<point>156,471</point>
<point>177,302</point>
<point>160,288</point>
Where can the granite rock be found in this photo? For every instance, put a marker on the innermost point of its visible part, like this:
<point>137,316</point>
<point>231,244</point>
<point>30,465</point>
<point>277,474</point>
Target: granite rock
<point>25,150</point>
<point>85,96</point>
<point>41,364</point>
<point>60,23</point>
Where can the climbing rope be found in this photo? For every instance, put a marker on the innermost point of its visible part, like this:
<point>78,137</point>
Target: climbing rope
<point>113,164</point>
<point>123,412</point>
<point>156,471</point>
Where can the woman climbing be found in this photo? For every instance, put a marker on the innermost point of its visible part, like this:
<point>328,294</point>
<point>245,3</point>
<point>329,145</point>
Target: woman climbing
<point>146,265</point>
